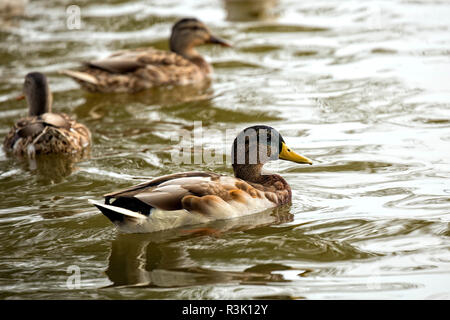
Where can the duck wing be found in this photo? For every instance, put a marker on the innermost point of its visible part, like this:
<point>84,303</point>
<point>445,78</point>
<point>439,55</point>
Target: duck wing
<point>167,192</point>
<point>30,129</point>
<point>24,129</point>
<point>56,120</point>
<point>129,60</point>
<point>135,70</point>
<point>122,62</point>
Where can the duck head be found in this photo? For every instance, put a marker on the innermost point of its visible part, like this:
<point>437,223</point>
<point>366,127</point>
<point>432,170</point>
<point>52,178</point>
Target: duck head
<point>257,145</point>
<point>188,33</point>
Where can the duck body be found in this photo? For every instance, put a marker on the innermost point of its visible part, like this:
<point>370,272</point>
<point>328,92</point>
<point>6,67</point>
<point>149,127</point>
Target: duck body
<point>139,69</point>
<point>49,133</point>
<point>44,132</point>
<point>191,198</point>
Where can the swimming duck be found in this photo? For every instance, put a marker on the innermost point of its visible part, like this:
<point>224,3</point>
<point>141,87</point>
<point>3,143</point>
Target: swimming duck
<point>139,69</point>
<point>192,198</point>
<point>44,132</point>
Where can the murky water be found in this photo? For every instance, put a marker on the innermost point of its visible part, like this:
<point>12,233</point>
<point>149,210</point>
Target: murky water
<point>360,87</point>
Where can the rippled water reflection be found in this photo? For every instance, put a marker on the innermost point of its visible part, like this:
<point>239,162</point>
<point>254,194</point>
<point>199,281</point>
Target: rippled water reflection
<point>360,87</point>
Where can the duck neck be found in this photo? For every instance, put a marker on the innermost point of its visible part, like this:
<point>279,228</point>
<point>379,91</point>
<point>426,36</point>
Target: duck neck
<point>201,63</point>
<point>249,172</point>
<point>193,56</point>
<point>264,182</point>
<point>39,102</point>
<point>253,173</point>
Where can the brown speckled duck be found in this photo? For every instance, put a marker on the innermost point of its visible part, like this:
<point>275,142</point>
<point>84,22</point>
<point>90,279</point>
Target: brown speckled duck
<point>198,197</point>
<point>44,132</point>
<point>144,68</point>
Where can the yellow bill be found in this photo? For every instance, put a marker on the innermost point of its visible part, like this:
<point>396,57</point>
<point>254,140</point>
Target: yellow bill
<point>287,154</point>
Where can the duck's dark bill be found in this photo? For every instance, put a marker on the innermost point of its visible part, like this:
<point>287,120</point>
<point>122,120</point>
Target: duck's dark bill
<point>216,40</point>
<point>287,154</point>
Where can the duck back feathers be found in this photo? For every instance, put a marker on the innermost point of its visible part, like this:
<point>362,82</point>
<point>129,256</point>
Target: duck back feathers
<point>49,133</point>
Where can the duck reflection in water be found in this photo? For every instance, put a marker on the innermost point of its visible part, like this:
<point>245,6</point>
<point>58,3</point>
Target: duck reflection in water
<point>162,260</point>
<point>97,106</point>
<point>251,10</point>
<point>50,169</point>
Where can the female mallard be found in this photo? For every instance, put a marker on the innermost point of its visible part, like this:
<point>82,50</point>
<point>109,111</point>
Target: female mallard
<point>44,132</point>
<point>197,197</point>
<point>139,69</point>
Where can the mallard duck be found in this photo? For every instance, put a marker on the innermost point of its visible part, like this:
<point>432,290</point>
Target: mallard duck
<point>44,132</point>
<point>139,69</point>
<point>198,197</point>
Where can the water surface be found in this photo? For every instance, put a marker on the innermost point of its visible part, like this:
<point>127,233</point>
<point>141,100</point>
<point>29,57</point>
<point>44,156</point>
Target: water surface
<point>360,87</point>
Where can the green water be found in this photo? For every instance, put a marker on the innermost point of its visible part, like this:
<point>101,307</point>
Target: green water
<point>360,87</point>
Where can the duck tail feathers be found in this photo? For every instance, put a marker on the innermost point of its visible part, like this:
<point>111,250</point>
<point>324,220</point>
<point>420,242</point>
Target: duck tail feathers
<point>118,215</point>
